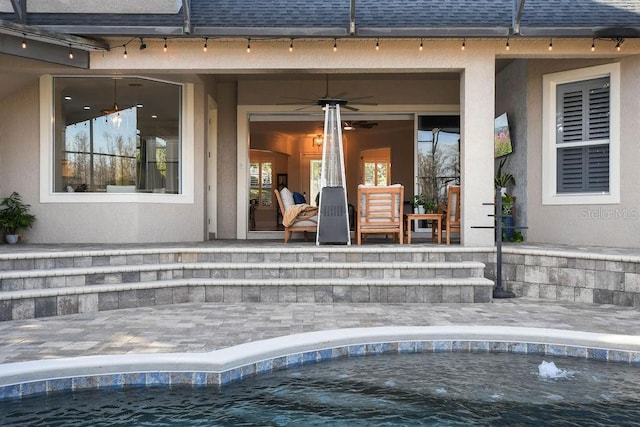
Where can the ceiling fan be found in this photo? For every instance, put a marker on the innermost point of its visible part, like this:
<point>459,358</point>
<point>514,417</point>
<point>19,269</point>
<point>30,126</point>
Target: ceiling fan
<point>338,99</point>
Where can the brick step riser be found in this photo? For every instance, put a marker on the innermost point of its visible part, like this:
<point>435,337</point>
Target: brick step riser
<point>57,281</point>
<point>50,263</point>
<point>30,307</point>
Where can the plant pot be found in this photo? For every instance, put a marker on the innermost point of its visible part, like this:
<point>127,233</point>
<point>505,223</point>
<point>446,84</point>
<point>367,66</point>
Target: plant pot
<point>12,238</point>
<point>421,209</point>
<point>507,228</point>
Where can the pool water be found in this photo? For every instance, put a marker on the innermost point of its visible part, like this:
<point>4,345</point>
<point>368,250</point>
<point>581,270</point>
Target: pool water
<point>443,389</point>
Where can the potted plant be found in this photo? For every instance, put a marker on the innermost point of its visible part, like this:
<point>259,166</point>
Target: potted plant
<point>508,222</point>
<point>419,202</point>
<point>430,206</point>
<point>15,216</point>
<point>502,180</point>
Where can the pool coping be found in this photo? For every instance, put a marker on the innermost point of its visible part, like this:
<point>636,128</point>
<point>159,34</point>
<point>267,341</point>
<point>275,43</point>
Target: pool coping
<point>231,364</point>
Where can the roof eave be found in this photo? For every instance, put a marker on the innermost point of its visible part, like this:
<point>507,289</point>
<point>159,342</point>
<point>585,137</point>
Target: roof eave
<point>629,32</point>
<point>434,32</point>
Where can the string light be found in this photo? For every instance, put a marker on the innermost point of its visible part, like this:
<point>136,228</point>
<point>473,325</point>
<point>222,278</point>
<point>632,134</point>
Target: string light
<point>291,46</point>
<point>421,45</point>
<point>507,45</point>
<point>24,41</point>
<point>125,51</point>
<point>619,44</point>
<point>593,45</point>
<point>335,45</point>
<point>165,45</point>
<point>377,44</point>
<point>550,44</point>
<point>464,43</point>
<point>205,44</point>
<point>70,52</point>
<point>248,45</point>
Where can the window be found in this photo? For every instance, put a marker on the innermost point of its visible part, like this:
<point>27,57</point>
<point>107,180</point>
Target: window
<point>582,140</point>
<point>376,166</point>
<point>438,156</point>
<point>581,136</point>
<point>116,134</point>
<point>261,177</point>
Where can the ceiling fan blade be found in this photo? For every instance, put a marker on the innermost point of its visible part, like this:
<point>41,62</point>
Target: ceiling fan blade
<point>306,107</point>
<point>340,95</point>
<point>360,97</point>
<point>350,108</point>
<point>298,99</point>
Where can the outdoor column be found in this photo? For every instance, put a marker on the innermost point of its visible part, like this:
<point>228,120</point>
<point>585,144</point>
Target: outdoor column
<point>477,105</point>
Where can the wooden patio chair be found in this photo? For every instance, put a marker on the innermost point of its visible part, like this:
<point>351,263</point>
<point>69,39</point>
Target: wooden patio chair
<point>304,217</point>
<point>380,211</point>
<point>452,213</point>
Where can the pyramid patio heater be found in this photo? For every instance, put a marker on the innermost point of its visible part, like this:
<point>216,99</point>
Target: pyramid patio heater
<point>333,214</point>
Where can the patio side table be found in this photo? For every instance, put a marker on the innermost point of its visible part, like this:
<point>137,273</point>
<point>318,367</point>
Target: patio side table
<point>436,224</point>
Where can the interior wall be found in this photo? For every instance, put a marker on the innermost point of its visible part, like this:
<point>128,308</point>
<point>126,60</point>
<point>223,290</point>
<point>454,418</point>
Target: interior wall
<point>603,225</point>
<point>511,97</point>
<point>401,143</point>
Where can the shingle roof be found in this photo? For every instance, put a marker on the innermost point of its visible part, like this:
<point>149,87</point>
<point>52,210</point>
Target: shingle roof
<point>388,17</point>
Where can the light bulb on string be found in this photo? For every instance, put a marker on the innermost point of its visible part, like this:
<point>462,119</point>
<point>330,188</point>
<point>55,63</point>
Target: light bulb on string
<point>204,48</point>
<point>248,45</point>
<point>464,44</point>
<point>335,45</point>
<point>378,44</point>
<point>291,46</point>
<point>70,52</point>
<point>24,41</point>
<point>165,45</point>
<point>593,45</point>
<point>550,44</point>
<point>507,45</point>
<point>421,45</point>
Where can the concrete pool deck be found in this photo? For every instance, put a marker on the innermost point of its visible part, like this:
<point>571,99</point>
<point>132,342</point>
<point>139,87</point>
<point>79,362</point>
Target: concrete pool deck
<point>205,327</point>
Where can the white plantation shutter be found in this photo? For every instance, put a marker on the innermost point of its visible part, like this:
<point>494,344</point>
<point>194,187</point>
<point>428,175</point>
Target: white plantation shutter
<point>582,136</point>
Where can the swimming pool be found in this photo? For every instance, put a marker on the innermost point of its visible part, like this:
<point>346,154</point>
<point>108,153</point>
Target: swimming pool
<point>227,366</point>
<point>387,389</point>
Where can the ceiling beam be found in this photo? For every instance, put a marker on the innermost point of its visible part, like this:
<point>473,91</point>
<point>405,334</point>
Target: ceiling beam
<point>53,38</point>
<point>352,18</point>
<point>42,51</point>
<point>518,6</point>
<point>186,11</point>
<point>20,8</point>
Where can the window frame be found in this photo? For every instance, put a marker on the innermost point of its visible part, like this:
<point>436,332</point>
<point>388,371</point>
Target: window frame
<point>47,157</point>
<point>550,195</point>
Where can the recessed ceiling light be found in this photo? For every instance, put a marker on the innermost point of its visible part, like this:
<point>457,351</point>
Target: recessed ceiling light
<point>86,107</point>
<point>154,116</point>
<point>139,105</point>
<point>67,98</point>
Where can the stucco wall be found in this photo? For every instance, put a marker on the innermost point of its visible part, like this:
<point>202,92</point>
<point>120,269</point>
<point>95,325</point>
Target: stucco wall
<point>90,222</point>
<point>226,97</point>
<point>605,225</point>
<point>511,97</point>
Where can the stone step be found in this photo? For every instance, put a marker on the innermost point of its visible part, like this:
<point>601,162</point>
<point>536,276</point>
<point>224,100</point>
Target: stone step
<point>22,261</point>
<point>31,303</point>
<point>17,280</point>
